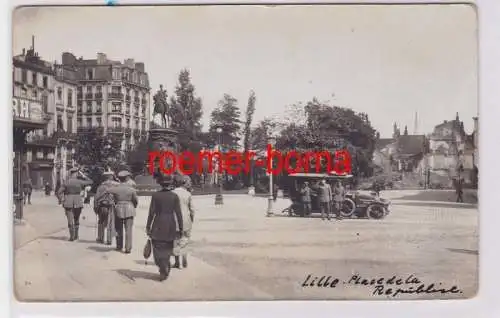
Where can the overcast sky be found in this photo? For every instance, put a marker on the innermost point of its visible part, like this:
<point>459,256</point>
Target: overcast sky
<point>387,61</point>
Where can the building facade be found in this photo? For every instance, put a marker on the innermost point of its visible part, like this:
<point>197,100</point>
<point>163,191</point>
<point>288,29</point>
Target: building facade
<point>451,152</point>
<point>33,81</point>
<point>112,97</point>
<point>31,78</point>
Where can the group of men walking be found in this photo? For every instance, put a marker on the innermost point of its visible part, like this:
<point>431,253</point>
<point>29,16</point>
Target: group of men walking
<point>330,200</point>
<point>169,222</point>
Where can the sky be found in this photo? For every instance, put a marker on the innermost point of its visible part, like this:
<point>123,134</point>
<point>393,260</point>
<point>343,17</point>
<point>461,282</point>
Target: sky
<point>389,61</point>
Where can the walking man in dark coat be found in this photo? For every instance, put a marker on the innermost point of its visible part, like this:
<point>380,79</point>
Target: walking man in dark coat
<point>104,204</point>
<point>126,202</point>
<point>70,195</point>
<point>165,223</point>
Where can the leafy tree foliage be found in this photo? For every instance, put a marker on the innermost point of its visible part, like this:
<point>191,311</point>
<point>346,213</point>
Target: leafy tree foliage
<point>186,111</point>
<point>260,134</point>
<point>227,117</point>
<point>96,152</point>
<point>247,129</point>
<point>137,158</point>
<point>333,128</point>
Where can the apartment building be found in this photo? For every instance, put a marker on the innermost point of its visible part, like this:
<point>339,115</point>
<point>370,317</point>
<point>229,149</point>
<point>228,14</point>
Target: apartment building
<point>112,97</point>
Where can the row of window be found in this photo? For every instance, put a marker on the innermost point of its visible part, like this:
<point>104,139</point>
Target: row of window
<point>114,108</point>
<point>115,123</point>
<point>34,78</point>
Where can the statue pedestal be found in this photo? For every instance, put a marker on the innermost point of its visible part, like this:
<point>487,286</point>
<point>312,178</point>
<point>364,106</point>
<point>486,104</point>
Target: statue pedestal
<point>160,139</point>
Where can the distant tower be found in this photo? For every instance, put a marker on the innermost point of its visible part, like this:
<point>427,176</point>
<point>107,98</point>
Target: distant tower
<point>396,133</point>
<point>415,126</point>
<point>406,131</point>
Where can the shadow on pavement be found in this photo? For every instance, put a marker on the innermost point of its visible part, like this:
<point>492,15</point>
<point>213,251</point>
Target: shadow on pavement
<point>144,262</point>
<point>133,275</point>
<point>101,249</point>
<point>463,251</point>
<point>55,238</point>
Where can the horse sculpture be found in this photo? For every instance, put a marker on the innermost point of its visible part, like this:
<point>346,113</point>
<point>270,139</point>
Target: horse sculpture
<point>161,106</point>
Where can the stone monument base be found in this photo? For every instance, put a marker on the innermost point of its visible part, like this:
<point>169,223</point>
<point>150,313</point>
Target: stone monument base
<point>160,139</point>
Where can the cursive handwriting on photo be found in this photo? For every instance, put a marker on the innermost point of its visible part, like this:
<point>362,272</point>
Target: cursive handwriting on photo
<point>381,286</point>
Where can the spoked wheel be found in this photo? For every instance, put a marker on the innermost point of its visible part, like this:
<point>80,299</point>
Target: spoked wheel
<point>348,208</point>
<point>375,211</point>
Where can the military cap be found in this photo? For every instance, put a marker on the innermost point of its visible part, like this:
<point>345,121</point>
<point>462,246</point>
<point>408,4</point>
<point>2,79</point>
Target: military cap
<point>123,174</point>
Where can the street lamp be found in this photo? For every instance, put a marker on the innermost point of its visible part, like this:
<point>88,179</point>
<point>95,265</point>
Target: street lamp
<point>218,197</point>
<point>269,213</point>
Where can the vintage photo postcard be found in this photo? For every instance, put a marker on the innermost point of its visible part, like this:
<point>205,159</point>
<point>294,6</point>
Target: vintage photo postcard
<point>202,153</point>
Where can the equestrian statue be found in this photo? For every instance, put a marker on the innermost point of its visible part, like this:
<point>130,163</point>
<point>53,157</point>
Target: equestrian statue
<point>161,106</point>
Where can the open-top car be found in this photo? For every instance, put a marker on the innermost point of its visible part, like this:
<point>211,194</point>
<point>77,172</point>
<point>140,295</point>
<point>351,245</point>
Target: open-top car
<point>355,204</point>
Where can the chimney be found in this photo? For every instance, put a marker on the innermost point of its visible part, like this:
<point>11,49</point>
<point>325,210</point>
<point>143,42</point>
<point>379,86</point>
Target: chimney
<point>33,42</point>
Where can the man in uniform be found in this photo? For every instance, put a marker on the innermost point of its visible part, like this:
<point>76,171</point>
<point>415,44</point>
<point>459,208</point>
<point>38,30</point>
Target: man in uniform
<point>126,202</point>
<point>104,208</point>
<point>339,196</point>
<point>70,196</point>
<point>325,199</point>
<point>305,195</point>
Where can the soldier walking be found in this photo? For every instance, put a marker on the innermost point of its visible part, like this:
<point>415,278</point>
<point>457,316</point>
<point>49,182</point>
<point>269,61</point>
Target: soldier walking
<point>183,184</point>
<point>126,202</point>
<point>104,204</point>
<point>70,196</point>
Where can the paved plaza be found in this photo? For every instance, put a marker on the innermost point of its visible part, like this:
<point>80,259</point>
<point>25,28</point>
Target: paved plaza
<point>239,254</point>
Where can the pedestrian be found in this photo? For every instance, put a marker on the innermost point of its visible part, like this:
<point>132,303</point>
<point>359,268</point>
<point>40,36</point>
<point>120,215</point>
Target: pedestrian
<point>71,199</point>
<point>48,188</point>
<point>126,202</point>
<point>305,194</point>
<point>338,197</point>
<point>56,190</point>
<point>131,182</point>
<point>275,192</point>
<point>325,198</point>
<point>164,223</point>
<point>104,204</point>
<point>183,184</point>
<point>27,189</point>
<point>459,190</point>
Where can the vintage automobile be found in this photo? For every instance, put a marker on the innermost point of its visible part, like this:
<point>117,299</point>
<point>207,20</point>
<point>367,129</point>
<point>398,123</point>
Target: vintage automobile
<point>356,204</point>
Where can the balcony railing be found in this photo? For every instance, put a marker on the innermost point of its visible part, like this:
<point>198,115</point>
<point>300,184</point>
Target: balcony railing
<point>88,111</point>
<point>116,110</point>
<point>98,95</point>
<point>115,95</point>
<point>89,95</point>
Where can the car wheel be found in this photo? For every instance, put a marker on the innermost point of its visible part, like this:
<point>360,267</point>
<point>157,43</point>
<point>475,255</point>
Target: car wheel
<point>348,208</point>
<point>375,211</point>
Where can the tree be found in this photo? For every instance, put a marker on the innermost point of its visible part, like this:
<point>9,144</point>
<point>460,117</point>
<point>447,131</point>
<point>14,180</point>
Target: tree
<point>260,134</point>
<point>227,117</point>
<point>332,128</point>
<point>137,158</point>
<point>97,152</point>
<point>247,129</point>
<point>186,111</point>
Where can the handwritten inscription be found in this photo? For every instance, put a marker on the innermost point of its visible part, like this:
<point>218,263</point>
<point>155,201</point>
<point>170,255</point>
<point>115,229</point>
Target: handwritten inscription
<point>381,286</point>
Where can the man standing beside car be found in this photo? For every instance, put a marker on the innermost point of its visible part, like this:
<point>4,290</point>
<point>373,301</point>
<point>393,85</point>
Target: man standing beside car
<point>325,199</point>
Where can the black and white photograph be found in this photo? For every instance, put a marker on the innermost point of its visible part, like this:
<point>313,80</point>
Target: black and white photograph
<point>245,152</point>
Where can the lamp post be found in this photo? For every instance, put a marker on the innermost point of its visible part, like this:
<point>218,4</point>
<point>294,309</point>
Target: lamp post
<point>270,198</point>
<point>218,197</point>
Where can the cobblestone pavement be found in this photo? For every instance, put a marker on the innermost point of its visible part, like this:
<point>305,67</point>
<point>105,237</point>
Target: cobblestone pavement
<point>239,254</point>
